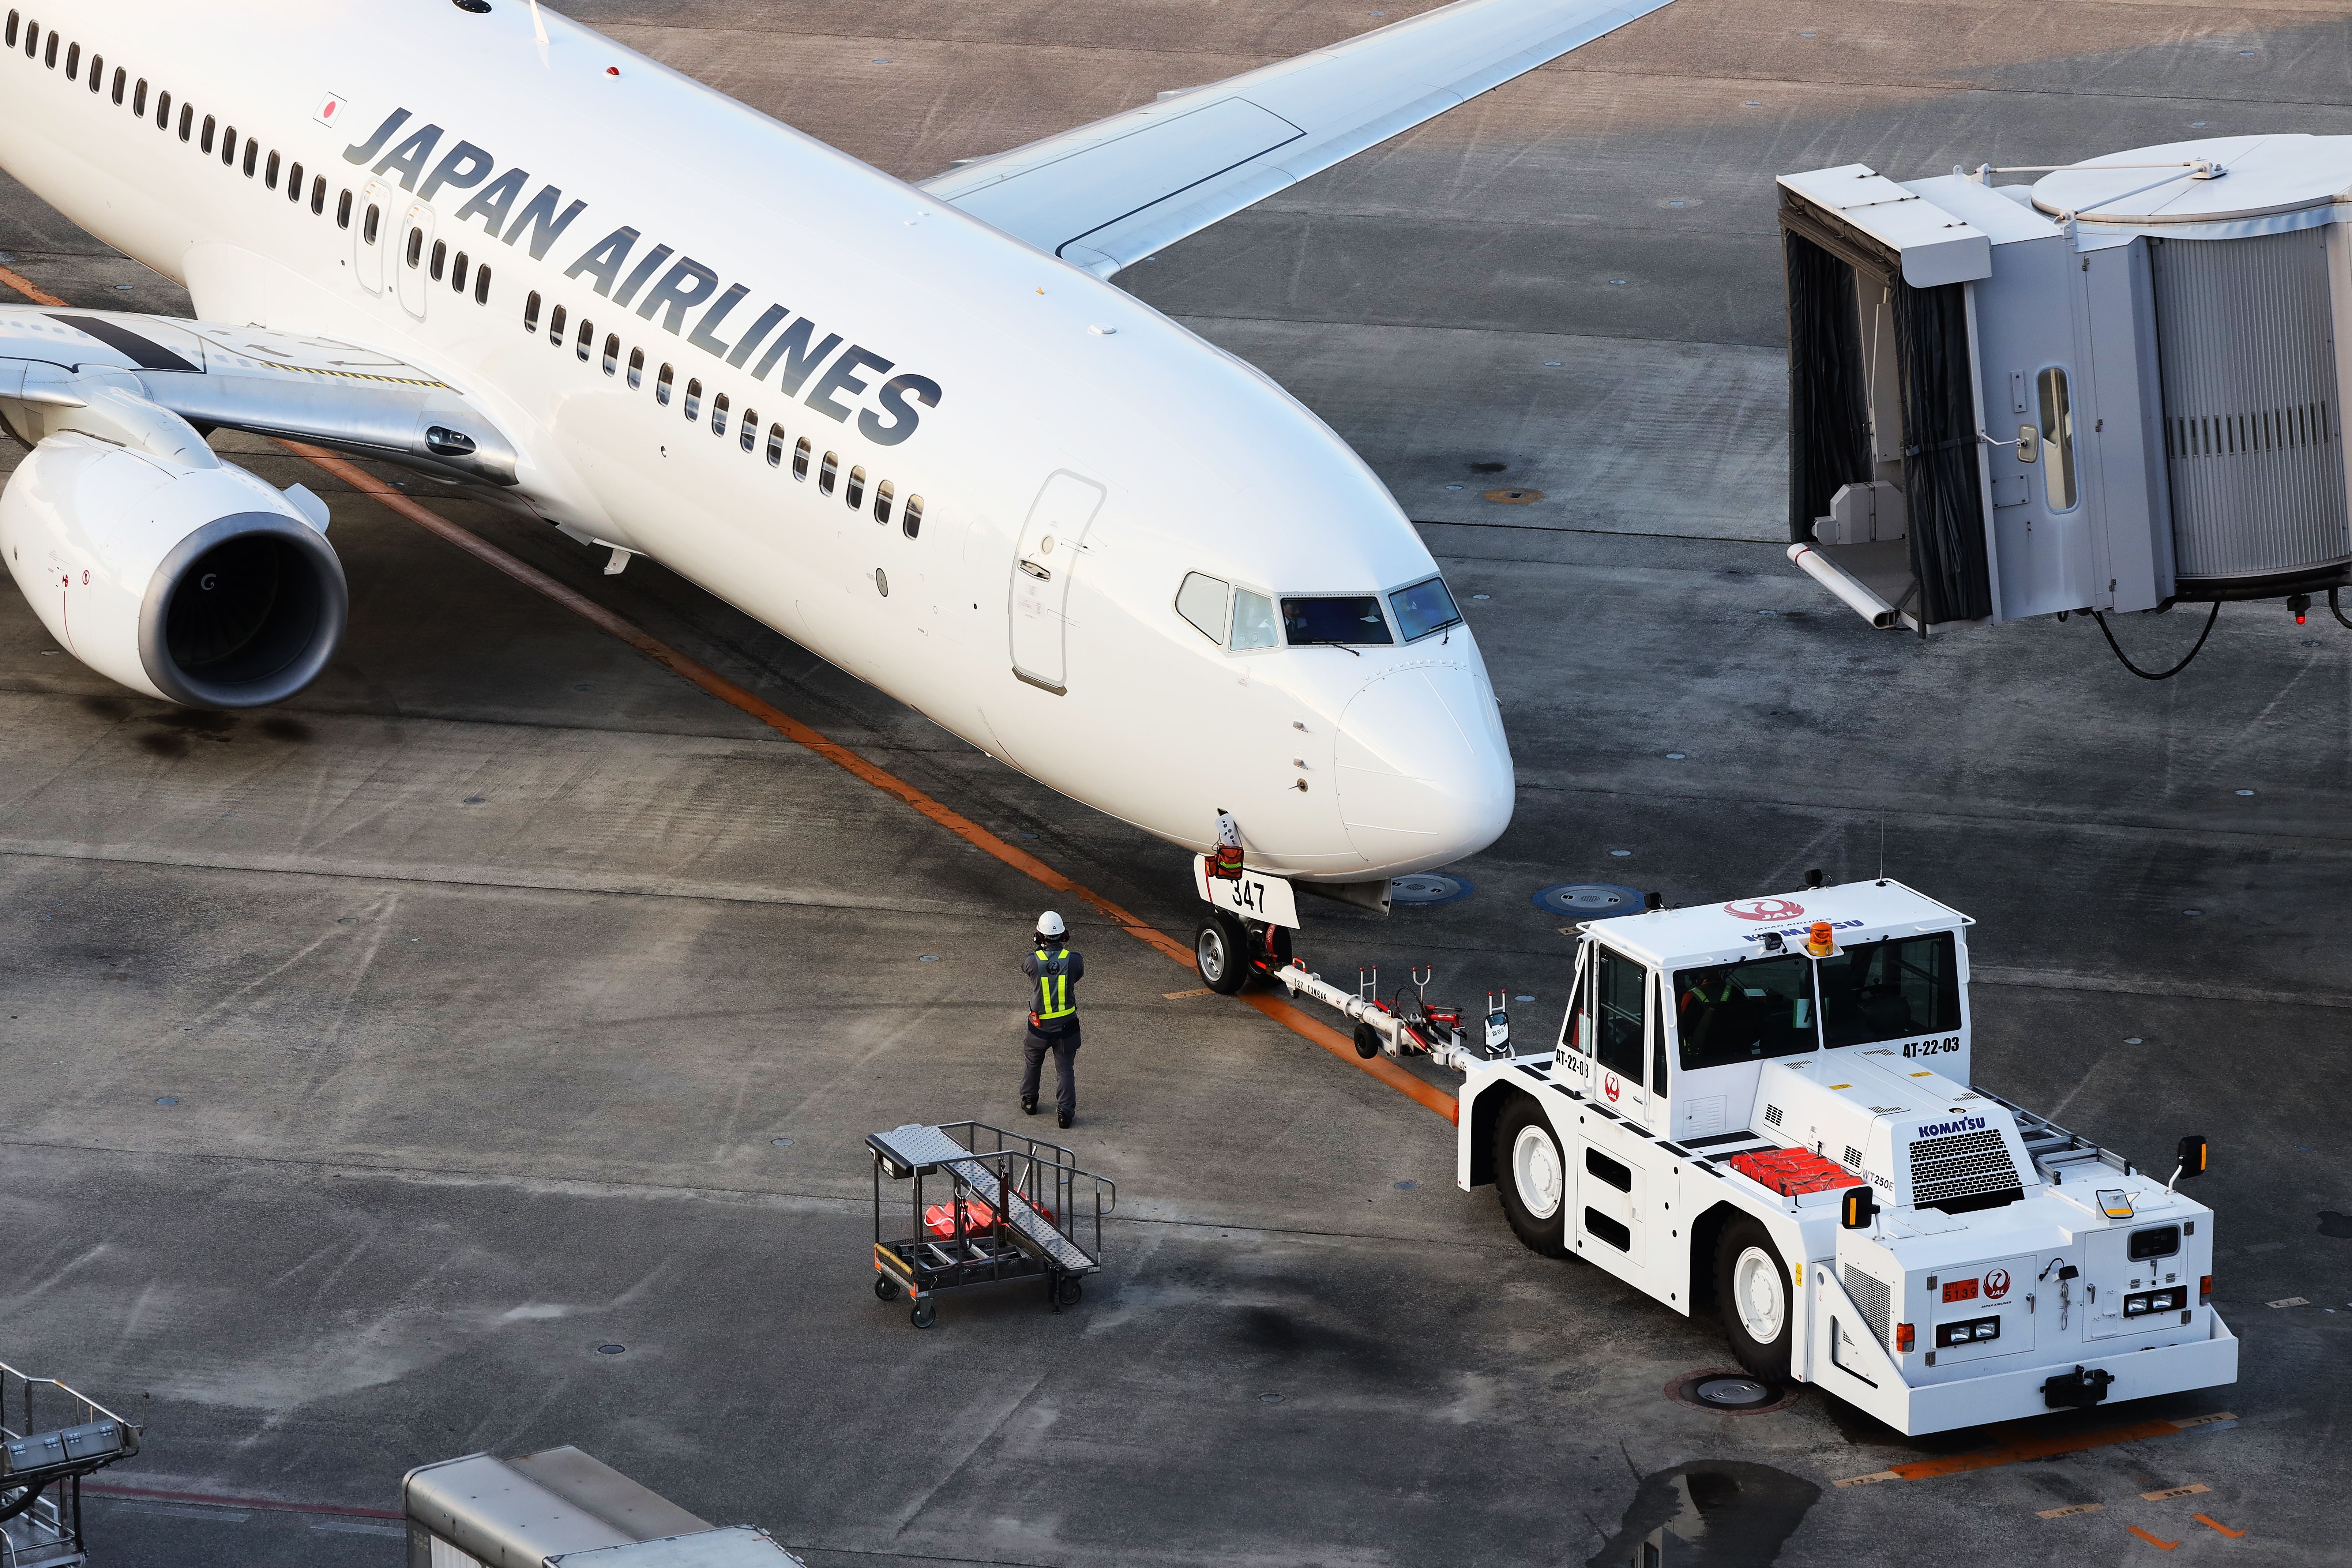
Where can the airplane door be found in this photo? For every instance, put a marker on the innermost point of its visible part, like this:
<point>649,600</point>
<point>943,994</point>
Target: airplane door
<point>372,236</point>
<point>410,261</point>
<point>1043,563</point>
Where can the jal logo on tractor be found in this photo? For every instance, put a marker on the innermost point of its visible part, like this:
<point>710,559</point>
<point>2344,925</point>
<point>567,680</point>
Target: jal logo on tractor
<point>1609,1087</point>
<point>1765,909</point>
<point>1996,1284</point>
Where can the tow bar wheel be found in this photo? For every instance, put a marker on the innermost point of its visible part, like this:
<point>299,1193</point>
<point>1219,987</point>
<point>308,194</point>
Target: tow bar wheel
<point>1217,952</point>
<point>1752,1286</point>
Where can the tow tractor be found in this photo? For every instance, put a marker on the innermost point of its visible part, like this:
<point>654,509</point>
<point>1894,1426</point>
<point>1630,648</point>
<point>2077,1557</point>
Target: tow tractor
<point>1765,1106</point>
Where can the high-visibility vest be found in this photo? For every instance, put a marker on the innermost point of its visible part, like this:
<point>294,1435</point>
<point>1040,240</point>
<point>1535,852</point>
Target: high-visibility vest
<point>1053,986</point>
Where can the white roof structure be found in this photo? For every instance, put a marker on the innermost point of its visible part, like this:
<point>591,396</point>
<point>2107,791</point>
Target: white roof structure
<point>1719,933</point>
<point>1936,246</point>
<point>2295,178</point>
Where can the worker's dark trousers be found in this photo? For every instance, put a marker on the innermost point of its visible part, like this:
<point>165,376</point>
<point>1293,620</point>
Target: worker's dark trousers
<point>1065,1046</point>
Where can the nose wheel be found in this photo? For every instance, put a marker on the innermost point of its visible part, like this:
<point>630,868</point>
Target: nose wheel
<point>1218,952</point>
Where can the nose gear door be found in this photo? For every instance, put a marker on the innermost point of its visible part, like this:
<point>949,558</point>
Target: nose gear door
<point>1041,568</point>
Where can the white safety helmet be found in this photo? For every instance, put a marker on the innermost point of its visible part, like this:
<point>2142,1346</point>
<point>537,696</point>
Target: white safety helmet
<point>1050,924</point>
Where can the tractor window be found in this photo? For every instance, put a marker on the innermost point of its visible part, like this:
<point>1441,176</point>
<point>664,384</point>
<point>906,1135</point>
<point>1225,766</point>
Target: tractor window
<point>1887,990</point>
<point>1620,997</point>
<point>1733,1013</point>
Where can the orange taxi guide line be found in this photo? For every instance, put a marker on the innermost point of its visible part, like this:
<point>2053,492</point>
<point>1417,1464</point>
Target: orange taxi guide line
<point>841,756</point>
<point>2217,1524</point>
<point>24,285</point>
<point>2021,1448</point>
<point>2152,1541</point>
<point>1340,1046</point>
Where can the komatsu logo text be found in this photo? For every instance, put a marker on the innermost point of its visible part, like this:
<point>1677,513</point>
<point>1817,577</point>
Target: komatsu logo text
<point>1944,1129</point>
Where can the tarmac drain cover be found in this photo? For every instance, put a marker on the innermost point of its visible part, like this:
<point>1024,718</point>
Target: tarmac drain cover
<point>1730,1391</point>
<point>1431,888</point>
<point>1589,900</point>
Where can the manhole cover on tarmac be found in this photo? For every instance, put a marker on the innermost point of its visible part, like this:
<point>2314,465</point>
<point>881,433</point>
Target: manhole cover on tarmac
<point>1428,888</point>
<point>1730,1391</point>
<point>1589,900</point>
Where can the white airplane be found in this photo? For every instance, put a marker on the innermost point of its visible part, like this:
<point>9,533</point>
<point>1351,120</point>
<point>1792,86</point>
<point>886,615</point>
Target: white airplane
<point>911,427</point>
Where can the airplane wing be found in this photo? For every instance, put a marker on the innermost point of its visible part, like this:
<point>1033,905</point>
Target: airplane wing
<point>1106,195</point>
<point>335,394</point>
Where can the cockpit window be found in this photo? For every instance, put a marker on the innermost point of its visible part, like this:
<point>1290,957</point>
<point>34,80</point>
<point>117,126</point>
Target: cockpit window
<point>1202,601</point>
<point>1355,619</point>
<point>1253,621</point>
<point>1423,608</point>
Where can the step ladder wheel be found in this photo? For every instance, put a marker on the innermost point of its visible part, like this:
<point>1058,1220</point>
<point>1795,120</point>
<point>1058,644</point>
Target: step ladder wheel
<point>1752,1294</point>
<point>1068,1292</point>
<point>924,1315</point>
<point>885,1290</point>
<point>1220,951</point>
<point>1367,1040</point>
<point>1531,1178</point>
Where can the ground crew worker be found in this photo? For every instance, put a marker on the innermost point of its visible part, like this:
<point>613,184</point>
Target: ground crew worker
<point>1053,973</point>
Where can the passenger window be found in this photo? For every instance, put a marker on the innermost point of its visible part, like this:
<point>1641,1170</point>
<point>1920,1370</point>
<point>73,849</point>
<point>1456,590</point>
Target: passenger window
<point>611,345</point>
<point>73,63</point>
<point>440,259</point>
<point>15,18</point>
<point>137,99</point>
<point>343,210</point>
<point>2057,440</point>
<point>882,493</point>
<point>252,155</point>
<point>555,327</point>
<point>1733,1013</point>
<point>1620,993</point>
<point>719,415</point>
<point>416,247</point>
<point>662,386</point>
<point>586,343</point>
<point>693,400</point>
<point>530,313</point>
<point>187,119</point>
<point>293,182</point>
<point>1423,608</point>
<point>211,131</point>
<point>457,273</point>
<point>50,59</point>
<point>269,176</point>
<point>827,473</point>
<point>857,491</point>
<point>1201,599</point>
<point>481,285</point>
<point>801,458</point>
<point>1891,990</point>
<point>910,522</point>
<point>775,446</point>
<point>1352,619</point>
<point>317,193</point>
<point>371,223</point>
<point>123,80</point>
<point>636,368</point>
<point>748,433</point>
<point>1253,621</point>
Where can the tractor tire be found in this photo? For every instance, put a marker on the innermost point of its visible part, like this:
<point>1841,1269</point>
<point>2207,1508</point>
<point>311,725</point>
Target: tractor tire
<point>1753,1297</point>
<point>1531,1178</point>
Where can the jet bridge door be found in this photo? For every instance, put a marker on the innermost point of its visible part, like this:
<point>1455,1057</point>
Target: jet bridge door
<point>1044,563</point>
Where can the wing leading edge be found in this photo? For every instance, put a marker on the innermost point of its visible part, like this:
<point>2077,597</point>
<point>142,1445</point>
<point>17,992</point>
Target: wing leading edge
<point>1106,195</point>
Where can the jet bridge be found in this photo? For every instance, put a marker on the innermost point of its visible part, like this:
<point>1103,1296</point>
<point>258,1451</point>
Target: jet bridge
<point>2115,386</point>
<point>562,1509</point>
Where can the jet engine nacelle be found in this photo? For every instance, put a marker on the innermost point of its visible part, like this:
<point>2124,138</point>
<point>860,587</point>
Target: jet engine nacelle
<point>161,567</point>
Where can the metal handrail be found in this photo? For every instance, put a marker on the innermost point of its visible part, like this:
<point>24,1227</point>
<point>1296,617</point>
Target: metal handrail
<point>93,1408</point>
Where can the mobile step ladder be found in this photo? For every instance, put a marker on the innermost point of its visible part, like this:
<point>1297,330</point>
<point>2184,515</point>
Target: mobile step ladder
<point>37,1453</point>
<point>1010,1212</point>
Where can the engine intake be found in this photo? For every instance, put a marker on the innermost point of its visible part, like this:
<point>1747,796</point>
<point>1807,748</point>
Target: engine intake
<point>243,612</point>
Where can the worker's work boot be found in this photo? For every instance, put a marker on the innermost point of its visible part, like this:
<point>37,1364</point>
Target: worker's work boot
<point>1028,1108</point>
<point>1063,1119</point>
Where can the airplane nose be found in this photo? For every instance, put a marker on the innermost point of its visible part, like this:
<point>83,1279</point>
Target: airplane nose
<point>1423,771</point>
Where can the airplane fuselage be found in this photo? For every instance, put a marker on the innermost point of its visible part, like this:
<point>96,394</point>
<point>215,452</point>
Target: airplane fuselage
<point>961,470</point>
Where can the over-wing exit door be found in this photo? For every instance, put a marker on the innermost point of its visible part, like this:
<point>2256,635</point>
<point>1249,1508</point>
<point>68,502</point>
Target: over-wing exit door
<point>1041,568</point>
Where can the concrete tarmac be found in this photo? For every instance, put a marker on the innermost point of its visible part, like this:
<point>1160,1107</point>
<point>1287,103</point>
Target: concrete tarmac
<point>372,1062</point>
